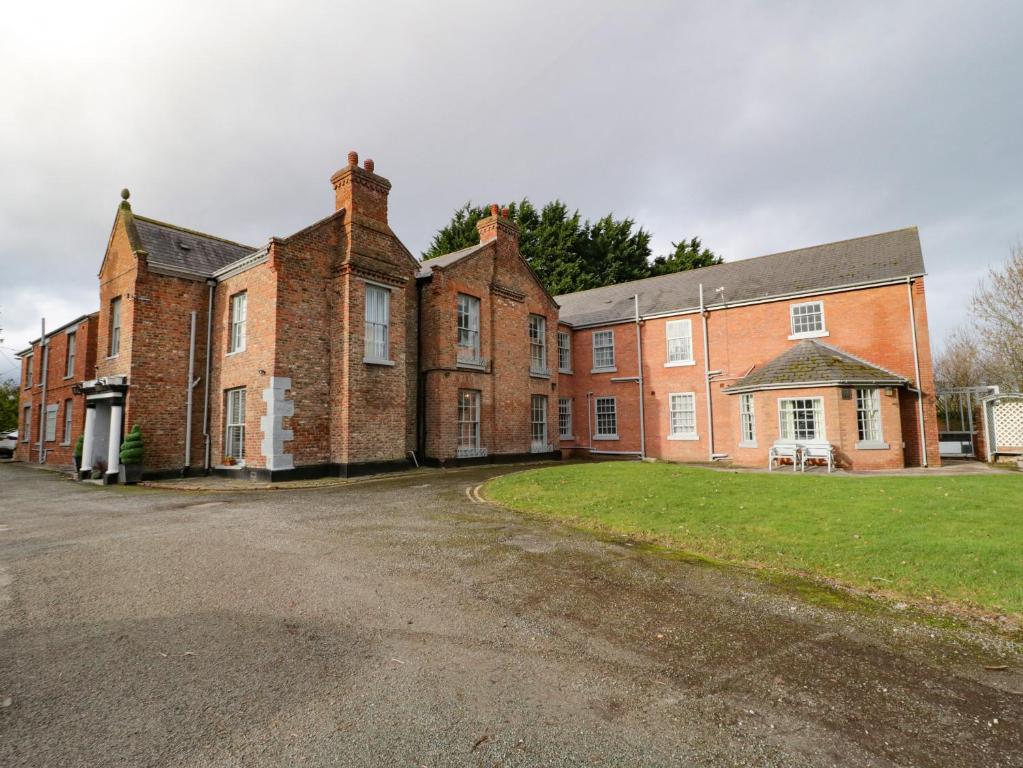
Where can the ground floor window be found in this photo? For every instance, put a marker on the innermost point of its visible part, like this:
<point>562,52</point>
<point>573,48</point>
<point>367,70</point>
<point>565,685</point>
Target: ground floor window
<point>682,415</point>
<point>26,424</point>
<point>801,418</point>
<point>538,423</point>
<point>607,418</point>
<point>235,439</point>
<point>67,422</point>
<point>468,422</point>
<point>51,423</point>
<point>868,415</point>
<point>747,418</point>
<point>565,418</point>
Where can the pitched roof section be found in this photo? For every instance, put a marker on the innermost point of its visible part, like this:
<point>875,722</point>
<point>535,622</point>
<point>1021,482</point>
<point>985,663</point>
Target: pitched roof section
<point>813,363</point>
<point>869,259</point>
<point>184,250</point>
<point>426,267</point>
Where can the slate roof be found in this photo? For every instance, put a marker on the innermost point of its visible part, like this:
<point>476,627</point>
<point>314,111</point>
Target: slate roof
<point>812,362</point>
<point>184,250</point>
<point>874,258</point>
<point>426,267</point>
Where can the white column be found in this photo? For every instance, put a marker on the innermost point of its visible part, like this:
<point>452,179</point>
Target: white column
<point>90,437</point>
<point>114,446</point>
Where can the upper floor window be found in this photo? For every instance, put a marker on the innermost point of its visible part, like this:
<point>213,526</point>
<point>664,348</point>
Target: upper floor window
<point>868,415</point>
<point>801,418</point>
<point>807,320</point>
<point>468,329</point>
<point>564,351</point>
<point>679,334</point>
<point>538,345</point>
<point>115,326</point>
<point>28,370</point>
<point>239,311</point>
<point>682,416</point>
<point>69,357</point>
<point>603,351</point>
<point>378,324</point>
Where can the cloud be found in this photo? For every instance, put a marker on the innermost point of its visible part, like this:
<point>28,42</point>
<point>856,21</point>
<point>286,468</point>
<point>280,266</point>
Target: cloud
<point>759,127</point>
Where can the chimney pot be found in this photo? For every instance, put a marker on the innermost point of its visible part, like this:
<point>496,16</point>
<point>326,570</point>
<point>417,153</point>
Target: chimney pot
<point>493,209</point>
<point>368,165</point>
<point>353,158</point>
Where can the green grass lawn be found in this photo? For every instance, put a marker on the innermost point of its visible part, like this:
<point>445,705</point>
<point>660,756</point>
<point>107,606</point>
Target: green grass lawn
<point>950,538</point>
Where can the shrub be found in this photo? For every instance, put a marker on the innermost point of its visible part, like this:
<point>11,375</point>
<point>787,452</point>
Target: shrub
<point>131,448</point>
<point>78,446</point>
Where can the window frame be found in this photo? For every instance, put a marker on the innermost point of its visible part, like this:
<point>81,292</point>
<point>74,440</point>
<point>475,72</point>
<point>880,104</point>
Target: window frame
<point>471,302</point>
<point>866,441</point>
<point>565,352</point>
<point>818,410</point>
<point>370,346</point>
<point>475,408</point>
<point>68,413</point>
<point>612,366</point>
<point>812,334</point>
<point>114,342</point>
<point>70,351</point>
<point>29,359</point>
<point>541,444</point>
<point>26,414</point>
<point>50,423</point>
<point>230,424</point>
<point>747,421</point>
<point>668,339</point>
<point>598,435</point>
<point>565,418</point>
<point>538,344</point>
<point>238,328</point>
<point>691,434</point>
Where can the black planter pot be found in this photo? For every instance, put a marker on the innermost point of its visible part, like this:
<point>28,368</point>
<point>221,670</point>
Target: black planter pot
<point>78,465</point>
<point>130,473</point>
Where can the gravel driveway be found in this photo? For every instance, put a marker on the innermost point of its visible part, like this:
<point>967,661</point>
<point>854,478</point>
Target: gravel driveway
<point>401,623</point>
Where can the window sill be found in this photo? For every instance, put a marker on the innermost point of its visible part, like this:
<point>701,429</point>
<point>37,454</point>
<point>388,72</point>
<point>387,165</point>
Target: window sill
<point>234,352</point>
<point>680,364</point>
<point>809,335</point>
<point>606,437</point>
<point>566,437</point>
<point>112,357</point>
<point>565,370</point>
<point>375,361</point>
<point>65,445</point>
<point>872,445</point>
<point>745,444</point>
<point>239,466</point>
<point>613,369</point>
<point>539,374</point>
<point>683,437</point>
<point>69,376</point>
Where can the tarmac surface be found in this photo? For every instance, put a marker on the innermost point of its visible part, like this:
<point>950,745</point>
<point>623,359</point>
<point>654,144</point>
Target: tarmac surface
<point>403,622</point>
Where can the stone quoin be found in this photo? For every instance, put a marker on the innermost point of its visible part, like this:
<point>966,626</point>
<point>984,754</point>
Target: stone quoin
<point>334,351</point>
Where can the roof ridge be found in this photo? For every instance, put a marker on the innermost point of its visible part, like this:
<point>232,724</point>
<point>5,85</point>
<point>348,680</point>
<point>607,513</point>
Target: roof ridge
<point>195,232</point>
<point>749,258</point>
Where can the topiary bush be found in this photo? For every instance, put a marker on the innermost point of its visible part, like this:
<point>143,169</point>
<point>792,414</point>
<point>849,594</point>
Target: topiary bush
<point>132,448</point>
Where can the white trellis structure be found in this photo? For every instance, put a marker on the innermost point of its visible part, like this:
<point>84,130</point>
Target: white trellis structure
<point>1003,425</point>
<point>957,409</point>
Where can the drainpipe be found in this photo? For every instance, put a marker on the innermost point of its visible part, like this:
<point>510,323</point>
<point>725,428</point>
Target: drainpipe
<point>639,364</point>
<point>44,350</point>
<point>192,381</point>
<point>916,366</point>
<point>589,421</point>
<point>420,376</point>
<point>206,382</point>
<point>706,378</point>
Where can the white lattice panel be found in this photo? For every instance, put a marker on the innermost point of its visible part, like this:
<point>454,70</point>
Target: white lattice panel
<point>1007,416</point>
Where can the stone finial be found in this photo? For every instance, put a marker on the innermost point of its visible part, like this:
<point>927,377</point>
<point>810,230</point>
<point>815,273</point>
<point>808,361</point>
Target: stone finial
<point>125,194</point>
<point>369,165</point>
<point>494,209</point>
<point>353,158</point>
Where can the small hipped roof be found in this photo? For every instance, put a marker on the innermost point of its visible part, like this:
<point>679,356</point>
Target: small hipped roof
<point>811,363</point>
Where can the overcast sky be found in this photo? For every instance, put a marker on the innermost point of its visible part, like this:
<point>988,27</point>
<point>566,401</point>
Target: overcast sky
<point>758,126</point>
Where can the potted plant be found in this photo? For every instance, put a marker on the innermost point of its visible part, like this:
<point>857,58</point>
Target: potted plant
<point>99,470</point>
<point>131,457</point>
<point>230,461</point>
<point>77,453</point>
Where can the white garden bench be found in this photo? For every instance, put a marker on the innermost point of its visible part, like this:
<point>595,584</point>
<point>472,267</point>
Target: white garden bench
<point>781,451</point>
<point>816,452</point>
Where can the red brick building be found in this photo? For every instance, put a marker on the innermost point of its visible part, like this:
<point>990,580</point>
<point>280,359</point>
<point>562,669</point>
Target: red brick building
<point>334,351</point>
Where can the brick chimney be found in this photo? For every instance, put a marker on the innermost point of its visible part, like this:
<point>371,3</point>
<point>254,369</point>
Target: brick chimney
<point>497,226</point>
<point>360,191</point>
